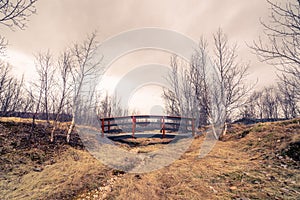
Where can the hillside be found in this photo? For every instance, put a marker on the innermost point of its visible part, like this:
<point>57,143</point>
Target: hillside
<point>259,161</point>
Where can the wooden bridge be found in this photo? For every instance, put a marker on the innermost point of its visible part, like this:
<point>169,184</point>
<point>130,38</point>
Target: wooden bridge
<point>141,123</point>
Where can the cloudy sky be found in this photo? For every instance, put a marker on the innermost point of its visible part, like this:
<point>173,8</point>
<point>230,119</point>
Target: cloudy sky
<point>58,23</point>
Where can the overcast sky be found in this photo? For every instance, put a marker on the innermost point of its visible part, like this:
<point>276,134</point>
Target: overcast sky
<point>58,23</point>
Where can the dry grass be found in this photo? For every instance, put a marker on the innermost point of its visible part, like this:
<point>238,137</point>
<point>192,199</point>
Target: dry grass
<point>37,169</point>
<point>234,169</point>
<point>74,171</point>
<point>252,162</point>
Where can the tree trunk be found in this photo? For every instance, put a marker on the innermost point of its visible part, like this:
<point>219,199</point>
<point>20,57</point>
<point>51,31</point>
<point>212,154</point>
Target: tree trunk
<point>71,128</point>
<point>224,129</point>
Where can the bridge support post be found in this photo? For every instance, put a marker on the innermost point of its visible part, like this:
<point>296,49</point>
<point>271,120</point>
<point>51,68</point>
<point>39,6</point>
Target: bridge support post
<point>102,127</point>
<point>108,128</point>
<point>163,127</point>
<point>193,127</point>
<point>133,125</point>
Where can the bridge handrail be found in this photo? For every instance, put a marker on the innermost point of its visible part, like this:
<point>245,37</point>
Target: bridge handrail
<point>134,122</point>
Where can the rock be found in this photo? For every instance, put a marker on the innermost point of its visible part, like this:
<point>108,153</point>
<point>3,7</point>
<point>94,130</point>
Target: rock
<point>107,188</point>
<point>233,188</point>
<point>241,198</point>
<point>215,191</point>
<point>284,190</point>
<point>37,169</point>
<point>284,166</point>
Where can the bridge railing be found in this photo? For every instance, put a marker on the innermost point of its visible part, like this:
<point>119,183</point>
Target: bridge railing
<point>140,123</point>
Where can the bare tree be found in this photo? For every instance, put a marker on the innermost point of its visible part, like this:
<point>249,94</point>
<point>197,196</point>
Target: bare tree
<point>10,90</point>
<point>16,12</point>
<point>45,70</point>
<point>118,109</point>
<point>193,90</point>
<point>63,87</point>
<point>281,45</point>
<point>4,76</point>
<point>3,44</point>
<point>12,98</point>
<point>27,103</point>
<point>105,108</point>
<point>200,83</point>
<point>288,98</point>
<point>173,97</point>
<point>13,13</point>
<point>254,106</point>
<point>83,70</point>
<point>36,97</point>
<point>171,103</point>
<point>39,90</point>
<point>273,102</point>
<point>232,75</point>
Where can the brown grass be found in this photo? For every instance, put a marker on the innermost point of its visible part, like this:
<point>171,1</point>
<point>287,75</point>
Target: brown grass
<point>250,167</point>
<point>251,162</point>
<point>37,169</point>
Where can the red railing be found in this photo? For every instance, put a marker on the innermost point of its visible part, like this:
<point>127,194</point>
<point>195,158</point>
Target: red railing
<point>140,123</point>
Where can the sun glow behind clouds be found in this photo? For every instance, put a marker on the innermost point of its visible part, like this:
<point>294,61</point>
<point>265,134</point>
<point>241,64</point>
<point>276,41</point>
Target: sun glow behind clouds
<point>21,64</point>
<point>147,99</point>
<point>108,83</point>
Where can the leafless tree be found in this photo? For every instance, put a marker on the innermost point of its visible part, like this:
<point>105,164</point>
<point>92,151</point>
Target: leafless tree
<point>3,45</point>
<point>173,97</point>
<point>281,43</point>
<point>194,91</point>
<point>109,106</point>
<point>4,75</point>
<point>271,103</point>
<point>288,98</point>
<point>36,97</point>
<point>10,90</point>
<point>63,88</point>
<point>253,108</point>
<point>84,69</point>
<point>16,12</point>
<point>232,73</point>
<point>12,96</point>
<point>45,71</point>
<point>27,103</point>
<point>39,89</point>
<point>171,103</point>
<point>274,102</point>
<point>199,78</point>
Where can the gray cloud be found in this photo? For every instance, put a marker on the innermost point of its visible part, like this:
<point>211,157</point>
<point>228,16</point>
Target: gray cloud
<point>60,22</point>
